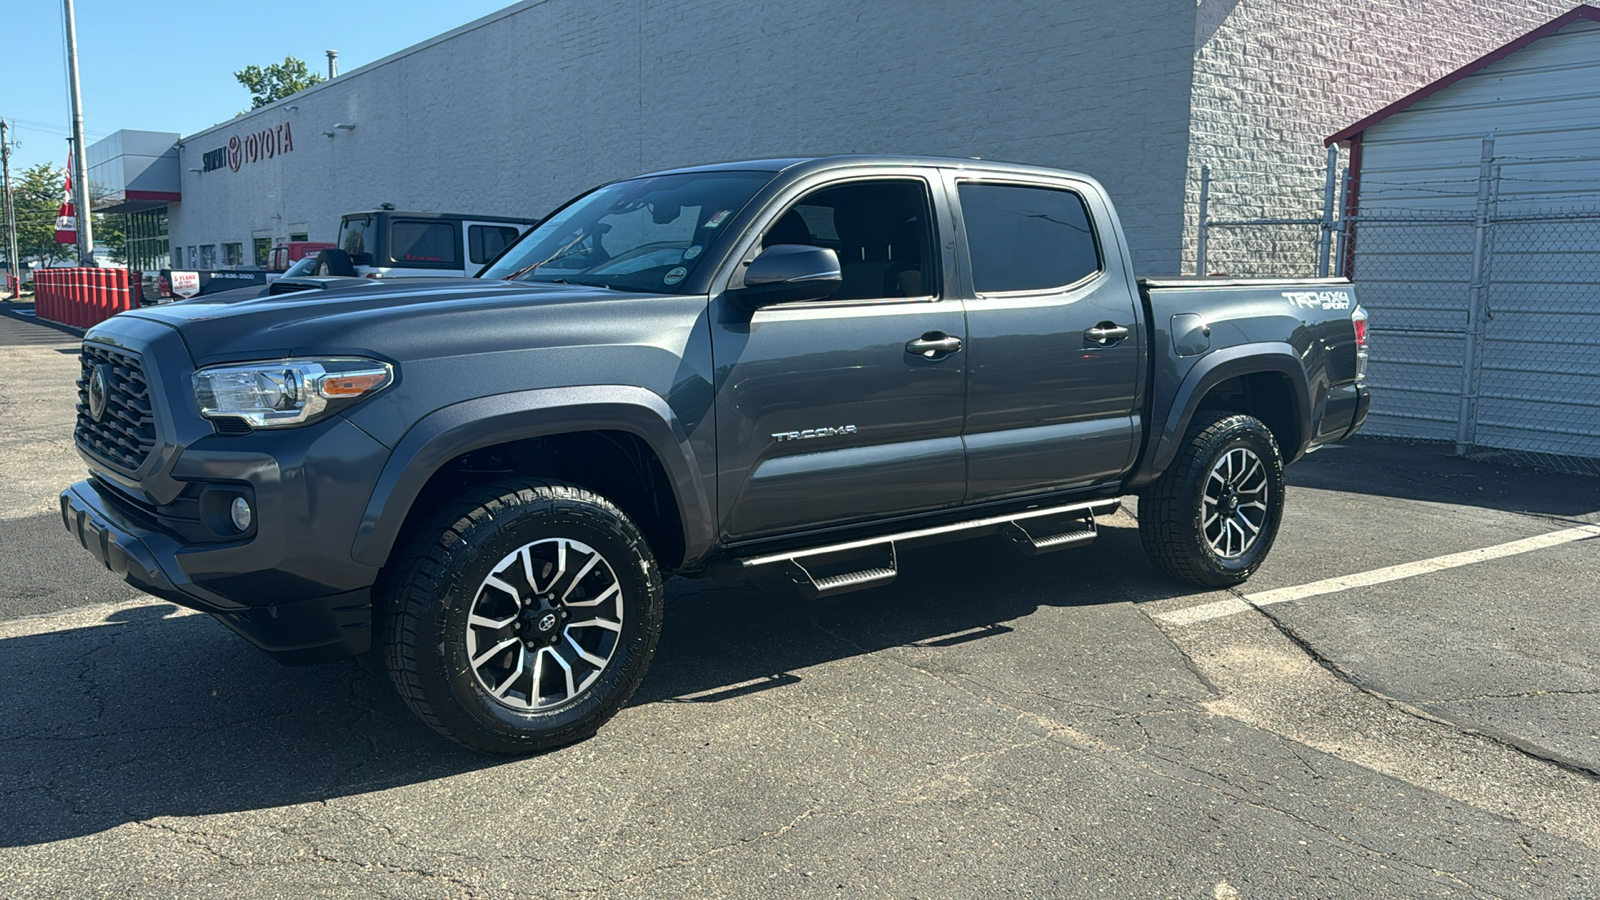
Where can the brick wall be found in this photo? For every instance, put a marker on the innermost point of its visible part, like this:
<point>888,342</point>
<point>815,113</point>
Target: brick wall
<point>1272,78</point>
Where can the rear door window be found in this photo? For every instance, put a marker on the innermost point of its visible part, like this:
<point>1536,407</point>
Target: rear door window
<point>430,244</point>
<point>1027,238</point>
<point>484,242</point>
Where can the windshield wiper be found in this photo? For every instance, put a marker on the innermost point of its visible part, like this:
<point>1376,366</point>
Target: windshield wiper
<point>565,250</point>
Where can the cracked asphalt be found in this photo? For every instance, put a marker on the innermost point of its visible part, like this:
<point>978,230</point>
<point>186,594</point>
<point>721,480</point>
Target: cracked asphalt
<point>990,725</point>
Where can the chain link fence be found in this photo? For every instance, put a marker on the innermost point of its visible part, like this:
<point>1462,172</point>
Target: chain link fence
<point>1485,323</point>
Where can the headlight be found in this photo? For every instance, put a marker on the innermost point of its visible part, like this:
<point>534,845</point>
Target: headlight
<point>288,392</point>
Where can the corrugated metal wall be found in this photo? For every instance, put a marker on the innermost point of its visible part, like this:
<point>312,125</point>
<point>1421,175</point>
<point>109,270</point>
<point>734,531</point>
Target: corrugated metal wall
<point>1529,366</point>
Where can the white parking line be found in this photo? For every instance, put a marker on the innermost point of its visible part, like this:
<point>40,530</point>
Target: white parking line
<point>1208,611</point>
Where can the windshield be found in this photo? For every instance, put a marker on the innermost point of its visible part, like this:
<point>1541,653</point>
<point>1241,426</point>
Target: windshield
<point>646,234</point>
<point>306,266</point>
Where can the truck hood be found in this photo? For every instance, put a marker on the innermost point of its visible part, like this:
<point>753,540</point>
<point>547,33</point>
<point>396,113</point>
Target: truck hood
<point>399,317</point>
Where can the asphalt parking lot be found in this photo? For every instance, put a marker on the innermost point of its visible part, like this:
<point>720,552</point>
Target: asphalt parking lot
<point>1402,703</point>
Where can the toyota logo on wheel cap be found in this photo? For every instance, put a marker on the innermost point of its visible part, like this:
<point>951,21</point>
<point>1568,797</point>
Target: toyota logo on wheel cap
<point>97,393</point>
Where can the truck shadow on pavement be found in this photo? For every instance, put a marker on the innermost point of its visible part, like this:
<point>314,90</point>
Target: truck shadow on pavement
<point>153,713</point>
<point>1431,472</point>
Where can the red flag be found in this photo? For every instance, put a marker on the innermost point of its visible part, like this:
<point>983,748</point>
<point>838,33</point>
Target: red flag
<point>67,218</point>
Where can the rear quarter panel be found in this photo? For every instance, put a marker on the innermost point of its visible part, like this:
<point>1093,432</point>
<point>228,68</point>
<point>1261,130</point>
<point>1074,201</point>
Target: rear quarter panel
<point>1205,330</point>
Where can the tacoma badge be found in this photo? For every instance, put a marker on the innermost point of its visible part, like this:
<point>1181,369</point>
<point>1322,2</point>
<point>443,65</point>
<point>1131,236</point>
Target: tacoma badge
<point>810,433</point>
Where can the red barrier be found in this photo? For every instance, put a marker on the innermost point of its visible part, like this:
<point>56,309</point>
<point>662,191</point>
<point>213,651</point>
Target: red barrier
<point>105,280</point>
<point>83,297</point>
<point>75,302</point>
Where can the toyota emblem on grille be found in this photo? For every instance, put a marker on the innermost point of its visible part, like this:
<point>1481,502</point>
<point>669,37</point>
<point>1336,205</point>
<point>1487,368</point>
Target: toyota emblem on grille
<point>97,393</point>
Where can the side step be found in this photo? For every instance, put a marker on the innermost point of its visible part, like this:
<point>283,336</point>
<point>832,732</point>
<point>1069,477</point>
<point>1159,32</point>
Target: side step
<point>871,562</point>
<point>1047,537</point>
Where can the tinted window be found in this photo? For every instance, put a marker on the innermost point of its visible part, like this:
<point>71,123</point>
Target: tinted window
<point>1027,238</point>
<point>484,242</point>
<point>423,242</point>
<point>880,230</point>
<point>352,234</point>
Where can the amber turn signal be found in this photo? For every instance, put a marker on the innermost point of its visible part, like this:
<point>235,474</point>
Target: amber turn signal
<point>353,384</point>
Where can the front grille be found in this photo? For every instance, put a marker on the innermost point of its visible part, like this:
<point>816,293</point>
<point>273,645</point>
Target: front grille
<point>126,432</point>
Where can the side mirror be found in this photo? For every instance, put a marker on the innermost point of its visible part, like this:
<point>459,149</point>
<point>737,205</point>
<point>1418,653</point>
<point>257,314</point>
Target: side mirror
<point>789,273</point>
<point>361,259</point>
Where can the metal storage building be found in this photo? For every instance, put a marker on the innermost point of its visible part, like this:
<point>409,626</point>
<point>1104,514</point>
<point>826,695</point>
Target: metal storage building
<point>1474,238</point>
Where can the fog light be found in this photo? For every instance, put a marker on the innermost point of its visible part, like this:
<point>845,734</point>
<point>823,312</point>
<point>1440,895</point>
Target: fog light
<point>240,512</point>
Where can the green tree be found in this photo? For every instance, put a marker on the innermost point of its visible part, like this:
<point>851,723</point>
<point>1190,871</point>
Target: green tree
<point>111,232</point>
<point>276,81</point>
<point>36,199</point>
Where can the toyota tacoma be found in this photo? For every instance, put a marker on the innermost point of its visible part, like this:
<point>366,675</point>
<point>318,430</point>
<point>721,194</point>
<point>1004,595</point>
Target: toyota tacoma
<point>791,365</point>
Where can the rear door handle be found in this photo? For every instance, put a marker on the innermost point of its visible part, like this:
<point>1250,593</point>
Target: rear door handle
<point>1106,333</point>
<point>933,345</point>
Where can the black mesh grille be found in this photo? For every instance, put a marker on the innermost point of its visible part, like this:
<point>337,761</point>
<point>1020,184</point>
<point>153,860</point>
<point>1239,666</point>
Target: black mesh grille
<point>126,432</point>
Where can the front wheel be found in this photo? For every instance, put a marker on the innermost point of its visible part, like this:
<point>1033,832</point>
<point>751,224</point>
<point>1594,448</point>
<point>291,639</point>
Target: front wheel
<point>1212,516</point>
<point>522,617</point>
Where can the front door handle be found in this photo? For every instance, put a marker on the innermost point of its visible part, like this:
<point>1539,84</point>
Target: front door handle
<point>1106,333</point>
<point>933,345</point>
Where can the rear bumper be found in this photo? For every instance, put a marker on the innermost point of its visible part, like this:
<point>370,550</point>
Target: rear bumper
<point>297,632</point>
<point>1363,403</point>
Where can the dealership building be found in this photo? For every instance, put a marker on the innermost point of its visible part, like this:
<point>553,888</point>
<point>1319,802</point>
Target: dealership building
<point>518,111</point>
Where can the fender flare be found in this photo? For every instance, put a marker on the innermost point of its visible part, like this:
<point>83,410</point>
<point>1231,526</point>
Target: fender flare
<point>474,424</point>
<point>1213,369</point>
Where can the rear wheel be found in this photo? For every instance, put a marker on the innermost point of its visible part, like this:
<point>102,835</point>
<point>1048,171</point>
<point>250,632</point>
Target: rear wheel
<point>1211,518</point>
<point>522,617</point>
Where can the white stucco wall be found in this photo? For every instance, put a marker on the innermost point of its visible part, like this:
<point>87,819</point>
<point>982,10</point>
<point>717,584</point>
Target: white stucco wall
<point>516,112</point>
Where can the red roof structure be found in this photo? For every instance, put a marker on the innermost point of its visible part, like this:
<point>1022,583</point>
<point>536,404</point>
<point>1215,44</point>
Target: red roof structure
<point>1543,31</point>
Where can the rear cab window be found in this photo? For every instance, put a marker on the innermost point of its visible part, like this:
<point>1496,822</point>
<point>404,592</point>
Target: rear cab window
<point>1024,238</point>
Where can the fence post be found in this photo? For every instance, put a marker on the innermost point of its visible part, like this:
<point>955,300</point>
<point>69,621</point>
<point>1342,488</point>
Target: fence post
<point>1477,288</point>
<point>1339,232</point>
<point>1325,244</point>
<point>1200,239</point>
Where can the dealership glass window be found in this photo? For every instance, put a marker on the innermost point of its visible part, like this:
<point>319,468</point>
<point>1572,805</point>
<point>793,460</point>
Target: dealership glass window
<point>299,236</point>
<point>208,256</point>
<point>262,247</point>
<point>1027,238</point>
<point>147,239</point>
<point>233,255</point>
<point>485,242</point>
<point>425,242</point>
<point>193,256</point>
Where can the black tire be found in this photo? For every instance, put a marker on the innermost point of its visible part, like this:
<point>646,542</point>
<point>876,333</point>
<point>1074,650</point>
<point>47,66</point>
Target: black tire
<point>334,261</point>
<point>1175,513</point>
<point>439,579</point>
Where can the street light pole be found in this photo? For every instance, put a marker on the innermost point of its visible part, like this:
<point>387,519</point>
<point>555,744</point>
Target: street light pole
<point>15,270</point>
<point>80,167</point>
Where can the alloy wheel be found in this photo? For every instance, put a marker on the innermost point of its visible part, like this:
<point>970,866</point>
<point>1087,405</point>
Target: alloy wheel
<point>1235,503</point>
<point>545,623</point>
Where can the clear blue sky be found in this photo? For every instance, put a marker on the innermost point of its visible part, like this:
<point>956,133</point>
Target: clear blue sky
<point>168,65</point>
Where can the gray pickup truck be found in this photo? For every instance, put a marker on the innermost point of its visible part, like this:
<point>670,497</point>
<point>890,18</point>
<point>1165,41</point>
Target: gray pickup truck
<point>789,365</point>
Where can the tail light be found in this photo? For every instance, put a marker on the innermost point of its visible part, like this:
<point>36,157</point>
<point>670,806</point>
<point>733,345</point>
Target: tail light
<point>1358,317</point>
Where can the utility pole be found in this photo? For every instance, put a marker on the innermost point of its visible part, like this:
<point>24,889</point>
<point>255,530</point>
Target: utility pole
<point>80,167</point>
<point>15,270</point>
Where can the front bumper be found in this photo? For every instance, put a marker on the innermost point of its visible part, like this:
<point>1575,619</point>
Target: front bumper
<point>296,632</point>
